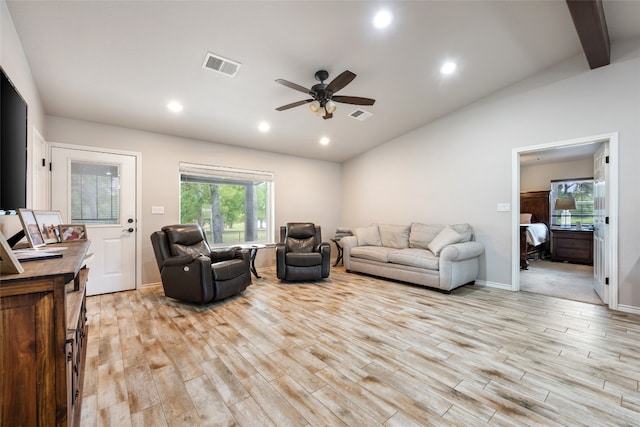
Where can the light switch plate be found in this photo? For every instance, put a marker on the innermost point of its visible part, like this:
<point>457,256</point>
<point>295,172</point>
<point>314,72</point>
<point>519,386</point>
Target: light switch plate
<point>157,210</point>
<point>504,207</point>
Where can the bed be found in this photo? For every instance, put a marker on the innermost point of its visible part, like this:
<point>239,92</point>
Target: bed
<point>534,226</point>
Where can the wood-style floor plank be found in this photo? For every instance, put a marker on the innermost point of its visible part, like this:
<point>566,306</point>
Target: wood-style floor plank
<point>359,351</point>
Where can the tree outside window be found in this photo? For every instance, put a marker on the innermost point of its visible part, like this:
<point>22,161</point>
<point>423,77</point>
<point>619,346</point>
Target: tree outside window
<point>232,206</point>
<point>579,189</point>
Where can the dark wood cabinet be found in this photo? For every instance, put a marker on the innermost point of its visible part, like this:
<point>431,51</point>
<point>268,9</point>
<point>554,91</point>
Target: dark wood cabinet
<point>43,333</point>
<point>572,246</point>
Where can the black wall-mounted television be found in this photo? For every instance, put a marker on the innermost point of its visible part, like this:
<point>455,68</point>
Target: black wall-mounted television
<point>13,147</point>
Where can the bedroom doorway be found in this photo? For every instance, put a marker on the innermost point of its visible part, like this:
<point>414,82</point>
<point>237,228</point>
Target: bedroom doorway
<point>602,276</point>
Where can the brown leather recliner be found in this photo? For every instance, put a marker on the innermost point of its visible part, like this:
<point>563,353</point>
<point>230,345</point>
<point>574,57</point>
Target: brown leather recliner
<point>192,272</point>
<point>301,253</point>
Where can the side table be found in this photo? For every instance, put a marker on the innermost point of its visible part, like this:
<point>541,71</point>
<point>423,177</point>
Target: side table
<point>339,247</point>
<point>253,251</point>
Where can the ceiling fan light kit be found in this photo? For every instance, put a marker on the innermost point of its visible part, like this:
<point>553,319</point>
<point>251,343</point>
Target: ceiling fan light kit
<point>323,101</point>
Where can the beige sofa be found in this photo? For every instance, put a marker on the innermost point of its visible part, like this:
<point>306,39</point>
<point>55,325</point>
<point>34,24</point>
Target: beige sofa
<point>437,256</point>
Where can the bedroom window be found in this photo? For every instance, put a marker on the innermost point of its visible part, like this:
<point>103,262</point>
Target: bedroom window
<point>581,190</point>
<point>231,205</point>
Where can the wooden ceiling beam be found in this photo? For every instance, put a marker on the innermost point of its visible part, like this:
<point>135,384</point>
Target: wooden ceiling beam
<point>588,18</point>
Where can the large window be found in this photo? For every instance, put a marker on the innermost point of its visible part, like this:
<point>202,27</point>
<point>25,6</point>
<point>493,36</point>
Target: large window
<point>581,190</point>
<point>231,205</point>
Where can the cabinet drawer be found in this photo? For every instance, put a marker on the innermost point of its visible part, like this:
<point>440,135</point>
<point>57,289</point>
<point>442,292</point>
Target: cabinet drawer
<point>573,246</point>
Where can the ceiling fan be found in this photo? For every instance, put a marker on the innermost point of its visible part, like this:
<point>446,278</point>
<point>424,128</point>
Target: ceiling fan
<point>322,94</point>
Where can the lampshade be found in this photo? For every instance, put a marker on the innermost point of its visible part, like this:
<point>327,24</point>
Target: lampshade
<point>331,106</point>
<point>568,203</point>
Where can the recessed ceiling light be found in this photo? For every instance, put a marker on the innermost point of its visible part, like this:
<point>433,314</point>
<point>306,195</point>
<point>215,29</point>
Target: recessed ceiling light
<point>382,19</point>
<point>448,67</point>
<point>324,140</point>
<point>174,106</point>
<point>264,127</point>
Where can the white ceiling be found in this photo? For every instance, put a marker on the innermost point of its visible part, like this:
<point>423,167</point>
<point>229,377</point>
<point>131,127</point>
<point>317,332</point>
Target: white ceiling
<point>121,62</point>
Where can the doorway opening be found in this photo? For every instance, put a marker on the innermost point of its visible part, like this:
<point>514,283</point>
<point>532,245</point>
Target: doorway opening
<point>603,274</point>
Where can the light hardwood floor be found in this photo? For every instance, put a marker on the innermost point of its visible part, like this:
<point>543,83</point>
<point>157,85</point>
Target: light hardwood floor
<point>354,350</point>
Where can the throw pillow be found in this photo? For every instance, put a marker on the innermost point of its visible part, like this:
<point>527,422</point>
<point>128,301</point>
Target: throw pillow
<point>368,236</point>
<point>465,230</point>
<point>394,236</point>
<point>447,236</point>
<point>422,234</point>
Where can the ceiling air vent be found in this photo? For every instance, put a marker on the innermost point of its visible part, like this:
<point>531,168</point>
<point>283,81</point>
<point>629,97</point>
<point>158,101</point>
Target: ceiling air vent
<point>360,114</point>
<point>221,65</point>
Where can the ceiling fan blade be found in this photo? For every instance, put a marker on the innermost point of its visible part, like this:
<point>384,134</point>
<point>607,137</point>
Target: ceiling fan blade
<point>293,86</point>
<point>294,104</point>
<point>341,81</point>
<point>327,116</point>
<point>353,100</point>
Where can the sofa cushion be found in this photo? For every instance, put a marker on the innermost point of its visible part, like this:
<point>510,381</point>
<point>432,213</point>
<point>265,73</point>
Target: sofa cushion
<point>422,234</point>
<point>394,236</point>
<point>373,253</point>
<point>415,257</point>
<point>368,236</point>
<point>447,236</point>
<point>465,230</point>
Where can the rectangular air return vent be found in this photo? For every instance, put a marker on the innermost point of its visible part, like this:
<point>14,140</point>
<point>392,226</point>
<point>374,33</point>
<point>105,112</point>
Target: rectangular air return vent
<point>360,114</point>
<point>221,65</point>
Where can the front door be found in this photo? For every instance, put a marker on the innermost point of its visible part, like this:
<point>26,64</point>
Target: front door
<point>600,213</point>
<point>98,189</point>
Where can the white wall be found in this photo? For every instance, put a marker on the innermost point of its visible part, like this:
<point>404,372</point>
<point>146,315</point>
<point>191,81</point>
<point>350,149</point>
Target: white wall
<point>15,65</point>
<point>538,177</point>
<point>305,190</point>
<point>458,168</point>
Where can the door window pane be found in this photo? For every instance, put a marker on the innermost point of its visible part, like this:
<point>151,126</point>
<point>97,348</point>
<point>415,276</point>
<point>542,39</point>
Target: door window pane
<point>95,193</point>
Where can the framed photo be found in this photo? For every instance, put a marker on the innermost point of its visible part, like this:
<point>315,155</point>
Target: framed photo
<point>48,221</point>
<point>9,263</point>
<point>31,229</point>
<point>72,232</point>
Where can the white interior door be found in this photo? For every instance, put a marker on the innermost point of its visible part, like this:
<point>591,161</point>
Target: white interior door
<point>600,213</point>
<point>98,189</point>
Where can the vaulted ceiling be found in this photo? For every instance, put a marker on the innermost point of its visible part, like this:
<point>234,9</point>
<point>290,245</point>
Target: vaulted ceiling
<point>122,62</point>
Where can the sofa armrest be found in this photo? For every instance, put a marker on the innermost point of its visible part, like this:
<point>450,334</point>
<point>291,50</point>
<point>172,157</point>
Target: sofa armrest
<point>460,251</point>
<point>347,243</point>
<point>459,264</point>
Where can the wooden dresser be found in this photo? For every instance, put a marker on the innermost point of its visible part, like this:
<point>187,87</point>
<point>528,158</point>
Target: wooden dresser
<point>43,335</point>
<point>572,245</point>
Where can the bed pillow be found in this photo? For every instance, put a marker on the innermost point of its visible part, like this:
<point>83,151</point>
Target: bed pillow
<point>447,236</point>
<point>368,236</point>
<point>525,218</point>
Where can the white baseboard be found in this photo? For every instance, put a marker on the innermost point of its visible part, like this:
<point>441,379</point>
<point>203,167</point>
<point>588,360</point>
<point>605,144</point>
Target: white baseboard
<point>629,309</point>
<point>148,285</point>
<point>497,285</point>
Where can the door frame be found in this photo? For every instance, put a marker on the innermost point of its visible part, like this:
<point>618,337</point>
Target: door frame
<point>612,206</point>
<point>138,202</point>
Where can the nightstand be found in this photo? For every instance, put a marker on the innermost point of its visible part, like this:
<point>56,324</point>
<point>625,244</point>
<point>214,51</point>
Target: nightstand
<point>572,245</point>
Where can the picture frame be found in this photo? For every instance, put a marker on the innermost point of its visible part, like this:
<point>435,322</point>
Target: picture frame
<point>72,232</point>
<point>48,222</point>
<point>31,229</point>
<point>9,263</point>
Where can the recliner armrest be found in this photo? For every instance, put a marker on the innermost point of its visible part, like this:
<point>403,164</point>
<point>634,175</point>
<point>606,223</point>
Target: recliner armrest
<point>179,260</point>
<point>244,255</point>
<point>281,267</point>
